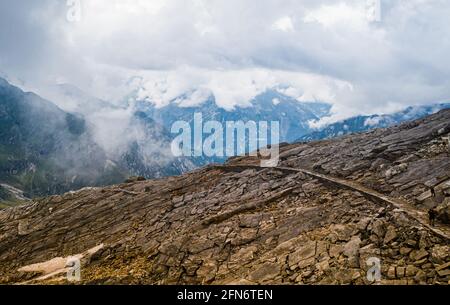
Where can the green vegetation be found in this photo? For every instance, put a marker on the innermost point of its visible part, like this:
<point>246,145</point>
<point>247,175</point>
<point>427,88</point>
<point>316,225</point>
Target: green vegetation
<point>7,199</point>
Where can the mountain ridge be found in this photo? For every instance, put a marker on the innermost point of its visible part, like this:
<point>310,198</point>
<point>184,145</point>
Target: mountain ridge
<point>241,224</point>
<point>294,116</point>
<point>364,123</point>
<point>45,150</point>
<point>41,133</point>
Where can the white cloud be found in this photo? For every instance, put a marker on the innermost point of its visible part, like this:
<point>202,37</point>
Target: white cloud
<point>237,87</point>
<point>338,14</point>
<point>310,49</point>
<point>284,24</point>
<point>372,121</point>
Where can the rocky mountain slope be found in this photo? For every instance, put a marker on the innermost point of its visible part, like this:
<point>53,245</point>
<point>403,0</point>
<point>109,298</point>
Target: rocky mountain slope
<point>45,150</point>
<point>327,211</point>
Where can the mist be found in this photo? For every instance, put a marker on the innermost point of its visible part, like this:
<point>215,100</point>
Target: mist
<point>327,51</point>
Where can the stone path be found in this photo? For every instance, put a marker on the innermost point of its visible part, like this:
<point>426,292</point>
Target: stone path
<point>400,205</point>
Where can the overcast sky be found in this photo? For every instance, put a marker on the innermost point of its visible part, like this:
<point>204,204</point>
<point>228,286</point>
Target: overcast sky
<point>235,49</point>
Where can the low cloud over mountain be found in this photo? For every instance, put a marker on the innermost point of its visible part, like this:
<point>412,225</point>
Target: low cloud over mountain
<point>310,50</point>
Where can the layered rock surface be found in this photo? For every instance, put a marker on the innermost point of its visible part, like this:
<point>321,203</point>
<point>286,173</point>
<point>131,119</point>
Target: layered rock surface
<point>240,224</point>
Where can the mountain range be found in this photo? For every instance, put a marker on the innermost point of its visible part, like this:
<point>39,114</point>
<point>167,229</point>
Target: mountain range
<point>327,214</point>
<point>85,141</point>
<point>45,150</point>
<point>294,116</point>
<point>364,123</point>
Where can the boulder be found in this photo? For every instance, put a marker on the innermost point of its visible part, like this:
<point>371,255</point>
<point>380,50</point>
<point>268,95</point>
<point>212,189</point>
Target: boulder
<point>342,232</point>
<point>378,228</point>
<point>391,235</point>
<point>443,213</point>
<point>351,248</point>
<point>440,253</point>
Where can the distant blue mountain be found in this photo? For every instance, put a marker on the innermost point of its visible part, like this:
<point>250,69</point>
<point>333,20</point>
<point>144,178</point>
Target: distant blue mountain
<point>269,106</point>
<point>365,123</point>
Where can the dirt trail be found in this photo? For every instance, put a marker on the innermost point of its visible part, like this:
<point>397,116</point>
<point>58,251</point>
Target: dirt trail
<point>400,205</point>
